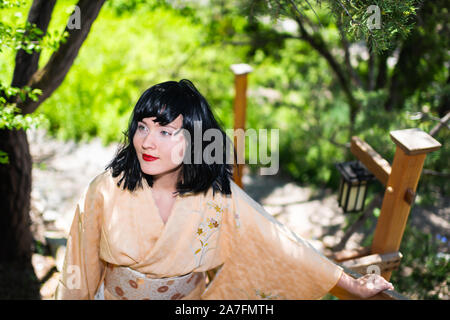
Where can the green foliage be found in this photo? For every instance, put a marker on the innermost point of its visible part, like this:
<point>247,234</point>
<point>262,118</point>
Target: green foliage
<point>424,271</point>
<point>358,18</point>
<point>6,4</point>
<point>26,36</point>
<point>4,159</point>
<point>379,23</point>
<point>373,125</point>
<point>287,95</point>
<point>22,93</point>
<point>10,118</point>
<point>122,6</point>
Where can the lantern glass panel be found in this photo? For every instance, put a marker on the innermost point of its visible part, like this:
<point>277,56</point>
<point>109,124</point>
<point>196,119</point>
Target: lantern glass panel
<point>353,185</point>
<point>343,192</point>
<point>361,196</point>
<point>352,198</point>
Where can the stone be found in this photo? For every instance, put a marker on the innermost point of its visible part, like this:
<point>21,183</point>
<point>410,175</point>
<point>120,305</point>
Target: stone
<point>42,265</point>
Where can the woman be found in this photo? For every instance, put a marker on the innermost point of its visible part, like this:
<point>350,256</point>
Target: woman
<point>165,211</point>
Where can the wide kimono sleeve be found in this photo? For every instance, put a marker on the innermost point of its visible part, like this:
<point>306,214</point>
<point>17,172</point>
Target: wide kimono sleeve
<point>267,260</point>
<point>83,270</point>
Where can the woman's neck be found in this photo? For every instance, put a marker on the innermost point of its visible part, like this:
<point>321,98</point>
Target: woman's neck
<point>166,182</point>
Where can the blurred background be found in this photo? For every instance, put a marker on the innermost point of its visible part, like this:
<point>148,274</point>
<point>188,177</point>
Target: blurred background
<point>323,71</point>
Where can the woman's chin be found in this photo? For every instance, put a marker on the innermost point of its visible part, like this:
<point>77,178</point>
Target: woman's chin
<point>151,171</point>
<point>147,169</point>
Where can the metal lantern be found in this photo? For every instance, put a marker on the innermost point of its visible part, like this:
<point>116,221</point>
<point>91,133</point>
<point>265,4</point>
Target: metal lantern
<point>353,187</point>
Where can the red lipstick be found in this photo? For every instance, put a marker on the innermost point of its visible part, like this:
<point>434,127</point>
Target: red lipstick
<point>148,157</point>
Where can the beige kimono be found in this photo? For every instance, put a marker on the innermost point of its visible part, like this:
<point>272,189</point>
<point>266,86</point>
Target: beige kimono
<point>259,257</point>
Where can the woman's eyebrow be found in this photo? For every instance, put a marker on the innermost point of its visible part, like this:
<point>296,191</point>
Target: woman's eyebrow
<point>167,125</point>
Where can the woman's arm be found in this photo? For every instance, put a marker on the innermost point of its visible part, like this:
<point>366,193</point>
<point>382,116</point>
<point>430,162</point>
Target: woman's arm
<point>364,287</point>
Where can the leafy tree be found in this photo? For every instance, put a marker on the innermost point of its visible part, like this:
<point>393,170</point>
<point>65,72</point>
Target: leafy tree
<point>29,88</point>
<point>411,32</point>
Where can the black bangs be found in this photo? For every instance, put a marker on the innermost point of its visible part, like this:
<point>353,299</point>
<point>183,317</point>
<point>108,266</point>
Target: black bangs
<point>162,101</point>
<point>166,101</point>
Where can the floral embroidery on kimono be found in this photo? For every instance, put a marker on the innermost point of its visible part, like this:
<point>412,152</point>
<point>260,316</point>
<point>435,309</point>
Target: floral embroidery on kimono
<point>206,229</point>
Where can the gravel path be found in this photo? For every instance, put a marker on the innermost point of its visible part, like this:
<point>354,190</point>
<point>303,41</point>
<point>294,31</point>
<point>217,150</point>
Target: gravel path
<point>61,171</point>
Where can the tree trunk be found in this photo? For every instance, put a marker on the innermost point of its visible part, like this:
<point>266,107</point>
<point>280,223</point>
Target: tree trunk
<point>16,240</point>
<point>382,70</point>
<point>15,235</point>
<point>17,277</point>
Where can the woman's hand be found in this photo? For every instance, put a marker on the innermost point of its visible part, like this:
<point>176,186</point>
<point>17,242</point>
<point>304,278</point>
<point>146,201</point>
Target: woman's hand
<point>371,284</point>
<point>366,286</point>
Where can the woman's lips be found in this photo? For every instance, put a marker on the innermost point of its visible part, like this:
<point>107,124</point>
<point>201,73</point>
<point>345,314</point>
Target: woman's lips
<point>148,157</point>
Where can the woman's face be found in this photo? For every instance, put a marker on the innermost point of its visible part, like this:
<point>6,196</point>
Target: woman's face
<point>159,151</point>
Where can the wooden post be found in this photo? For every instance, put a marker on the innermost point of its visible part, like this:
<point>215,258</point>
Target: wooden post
<point>412,148</point>
<point>240,104</point>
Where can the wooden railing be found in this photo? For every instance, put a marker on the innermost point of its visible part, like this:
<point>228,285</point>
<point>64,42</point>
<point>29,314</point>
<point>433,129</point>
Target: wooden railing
<point>400,180</point>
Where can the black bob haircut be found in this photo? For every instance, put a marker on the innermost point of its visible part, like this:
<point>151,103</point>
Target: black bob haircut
<point>166,101</point>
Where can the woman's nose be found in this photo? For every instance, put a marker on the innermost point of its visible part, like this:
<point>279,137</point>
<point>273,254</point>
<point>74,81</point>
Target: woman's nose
<point>149,141</point>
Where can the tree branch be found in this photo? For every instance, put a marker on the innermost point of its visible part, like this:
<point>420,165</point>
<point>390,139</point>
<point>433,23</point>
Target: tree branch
<point>317,42</point>
<point>26,64</point>
<point>436,173</point>
<point>371,74</point>
<point>345,44</point>
<point>52,75</point>
<point>332,140</point>
<point>442,122</point>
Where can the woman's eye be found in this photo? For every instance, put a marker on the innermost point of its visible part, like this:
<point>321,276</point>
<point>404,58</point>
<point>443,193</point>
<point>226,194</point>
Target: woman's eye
<point>165,133</point>
<point>141,127</point>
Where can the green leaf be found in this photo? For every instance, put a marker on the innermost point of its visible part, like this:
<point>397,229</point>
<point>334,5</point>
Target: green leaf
<point>4,159</point>
<point>376,212</point>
